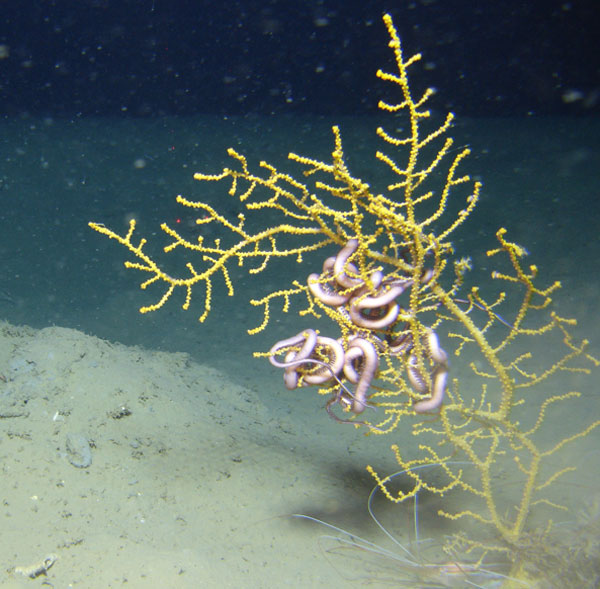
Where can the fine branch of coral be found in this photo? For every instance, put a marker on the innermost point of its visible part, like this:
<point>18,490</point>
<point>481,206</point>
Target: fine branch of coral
<point>392,288</point>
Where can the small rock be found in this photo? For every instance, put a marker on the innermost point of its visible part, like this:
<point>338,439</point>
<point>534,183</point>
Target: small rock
<point>79,452</point>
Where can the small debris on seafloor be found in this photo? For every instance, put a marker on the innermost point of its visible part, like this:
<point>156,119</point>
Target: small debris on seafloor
<point>120,412</point>
<point>40,568</point>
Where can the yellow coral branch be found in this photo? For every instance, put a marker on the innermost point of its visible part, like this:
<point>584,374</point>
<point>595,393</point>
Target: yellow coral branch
<point>401,234</point>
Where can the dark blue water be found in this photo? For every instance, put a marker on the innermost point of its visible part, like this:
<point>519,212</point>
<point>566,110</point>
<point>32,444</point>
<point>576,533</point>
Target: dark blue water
<point>147,58</point>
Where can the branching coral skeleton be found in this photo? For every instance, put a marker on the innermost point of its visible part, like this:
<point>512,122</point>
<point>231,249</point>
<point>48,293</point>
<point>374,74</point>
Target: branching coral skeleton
<point>392,290</point>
